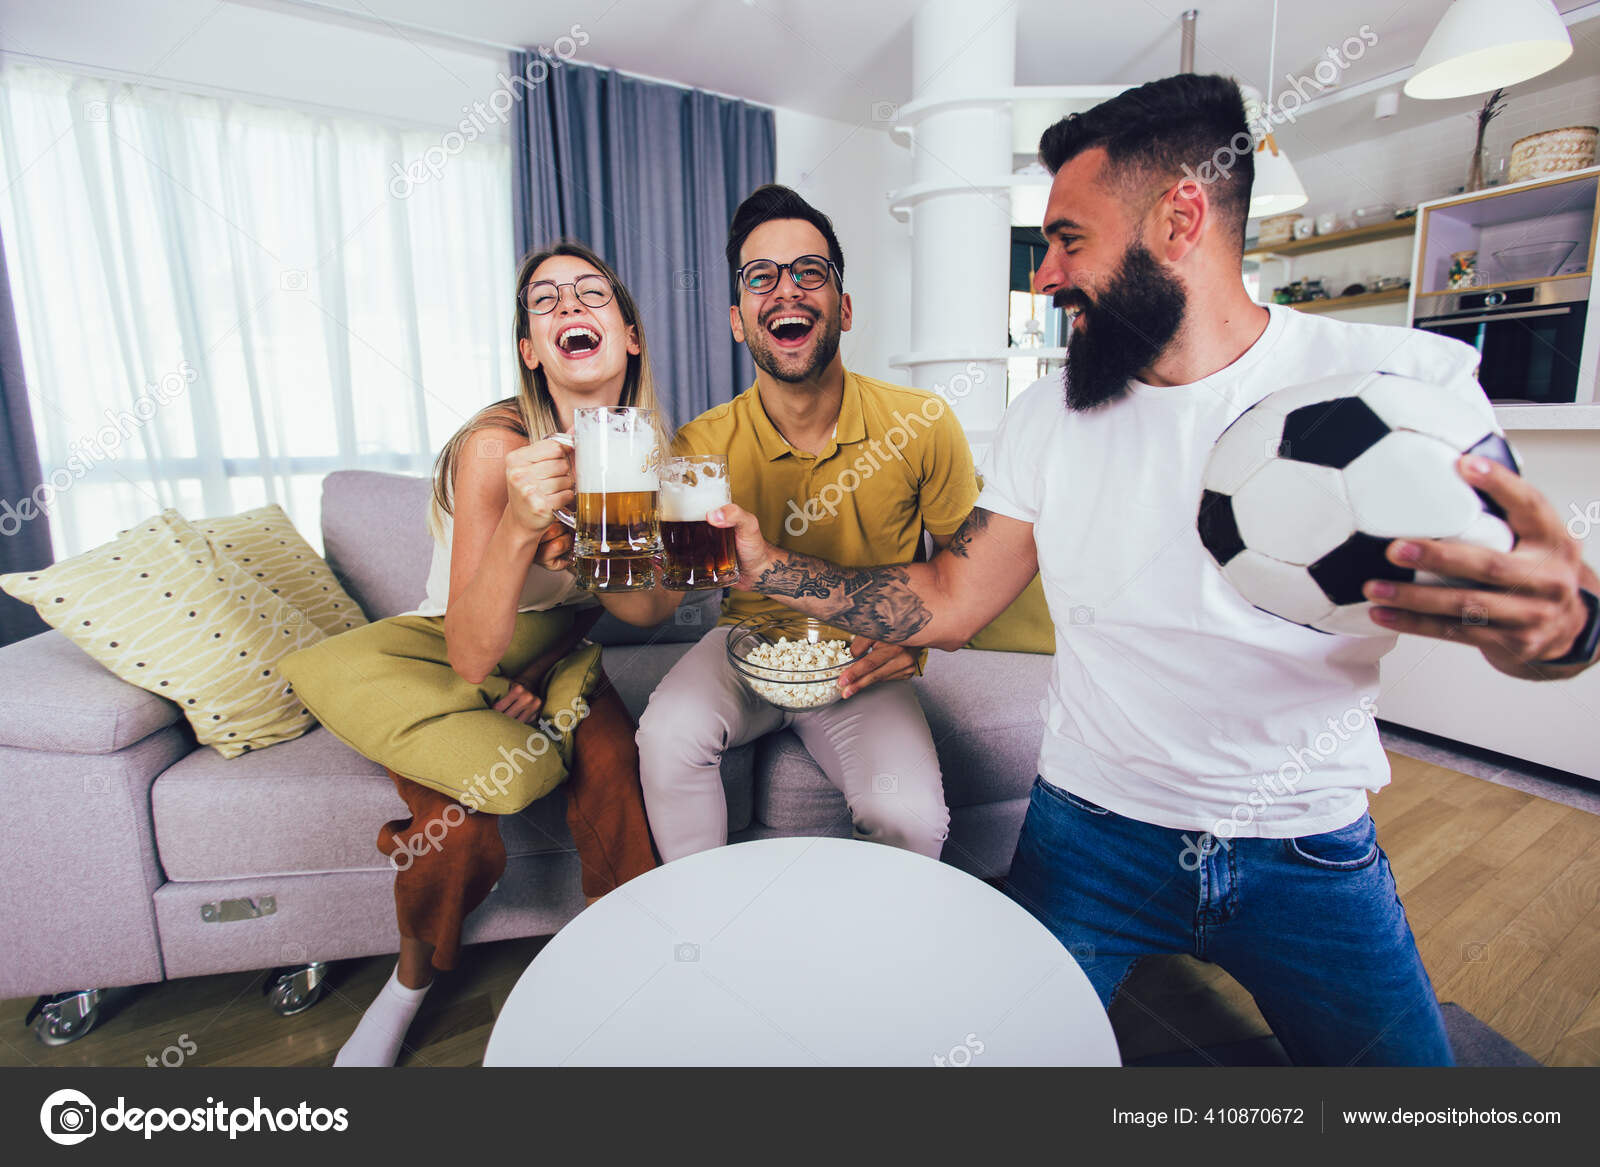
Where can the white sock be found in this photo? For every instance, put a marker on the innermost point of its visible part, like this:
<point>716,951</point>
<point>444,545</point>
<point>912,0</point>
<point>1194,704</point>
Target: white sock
<point>377,1039</point>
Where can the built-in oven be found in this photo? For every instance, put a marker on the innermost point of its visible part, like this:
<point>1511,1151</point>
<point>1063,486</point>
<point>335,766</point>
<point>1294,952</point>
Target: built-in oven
<point>1529,338</point>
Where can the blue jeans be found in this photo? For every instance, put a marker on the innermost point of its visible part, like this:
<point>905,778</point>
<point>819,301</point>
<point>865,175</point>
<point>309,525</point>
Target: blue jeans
<point>1311,926</point>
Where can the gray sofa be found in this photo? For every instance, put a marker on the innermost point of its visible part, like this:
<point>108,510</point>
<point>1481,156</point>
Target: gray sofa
<point>129,855</point>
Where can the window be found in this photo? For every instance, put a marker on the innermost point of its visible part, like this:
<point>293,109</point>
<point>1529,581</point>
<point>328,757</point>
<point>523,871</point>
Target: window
<point>1035,323</point>
<point>219,302</point>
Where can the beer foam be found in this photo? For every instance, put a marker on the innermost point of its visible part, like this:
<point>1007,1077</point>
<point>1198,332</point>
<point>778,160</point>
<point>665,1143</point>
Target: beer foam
<point>681,503</point>
<point>613,463</point>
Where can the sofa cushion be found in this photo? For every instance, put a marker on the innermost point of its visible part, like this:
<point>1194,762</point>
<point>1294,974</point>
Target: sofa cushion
<point>315,805</point>
<point>375,537</point>
<point>983,712</point>
<point>167,610</point>
<point>266,544</point>
<point>55,696</point>
<point>310,805</point>
<point>983,709</point>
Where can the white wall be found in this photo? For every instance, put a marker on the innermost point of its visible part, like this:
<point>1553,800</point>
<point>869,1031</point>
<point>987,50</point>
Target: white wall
<point>1449,690</point>
<point>1430,161</point>
<point>846,171</point>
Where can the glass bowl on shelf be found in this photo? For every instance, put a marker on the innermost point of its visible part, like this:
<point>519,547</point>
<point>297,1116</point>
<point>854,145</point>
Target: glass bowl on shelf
<point>1534,261</point>
<point>1374,214</point>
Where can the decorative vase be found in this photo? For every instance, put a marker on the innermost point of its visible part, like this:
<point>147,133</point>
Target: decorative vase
<point>1493,106</point>
<point>1463,269</point>
<point>1476,169</point>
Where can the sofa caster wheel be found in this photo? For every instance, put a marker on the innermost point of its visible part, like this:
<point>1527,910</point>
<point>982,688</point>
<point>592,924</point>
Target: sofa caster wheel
<point>65,1017</point>
<point>294,990</point>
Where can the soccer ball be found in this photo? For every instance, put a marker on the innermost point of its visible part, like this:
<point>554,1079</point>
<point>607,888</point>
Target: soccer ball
<point>1304,491</point>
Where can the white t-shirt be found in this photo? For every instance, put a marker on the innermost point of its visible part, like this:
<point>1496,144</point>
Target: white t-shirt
<point>1172,699</point>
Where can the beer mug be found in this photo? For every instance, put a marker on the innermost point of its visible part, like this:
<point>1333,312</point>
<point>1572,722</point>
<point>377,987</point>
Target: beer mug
<point>615,534</point>
<point>694,554</point>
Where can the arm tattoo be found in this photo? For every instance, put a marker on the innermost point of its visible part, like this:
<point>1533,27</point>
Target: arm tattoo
<point>798,579</point>
<point>977,522</point>
<point>876,602</point>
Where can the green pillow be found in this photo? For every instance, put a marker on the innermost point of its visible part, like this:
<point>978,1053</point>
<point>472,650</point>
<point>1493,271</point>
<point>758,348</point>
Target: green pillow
<point>1025,625</point>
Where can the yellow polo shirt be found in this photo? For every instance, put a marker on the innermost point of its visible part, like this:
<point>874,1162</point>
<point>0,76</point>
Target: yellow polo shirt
<point>898,461</point>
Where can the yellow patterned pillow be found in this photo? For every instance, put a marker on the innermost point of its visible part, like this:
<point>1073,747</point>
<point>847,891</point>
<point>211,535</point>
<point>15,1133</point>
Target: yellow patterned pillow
<point>164,610</point>
<point>265,543</point>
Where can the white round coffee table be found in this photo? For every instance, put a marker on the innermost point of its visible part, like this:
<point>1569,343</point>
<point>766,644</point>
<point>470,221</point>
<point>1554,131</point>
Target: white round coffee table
<point>803,952</point>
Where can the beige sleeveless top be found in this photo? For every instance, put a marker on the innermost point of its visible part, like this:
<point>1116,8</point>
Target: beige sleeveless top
<point>541,591</point>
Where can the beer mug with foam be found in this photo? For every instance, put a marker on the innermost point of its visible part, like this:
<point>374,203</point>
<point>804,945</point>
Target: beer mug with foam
<point>615,528</point>
<point>694,554</point>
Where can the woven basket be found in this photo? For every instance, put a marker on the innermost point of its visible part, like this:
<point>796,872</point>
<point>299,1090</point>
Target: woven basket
<point>1278,229</point>
<point>1553,152</point>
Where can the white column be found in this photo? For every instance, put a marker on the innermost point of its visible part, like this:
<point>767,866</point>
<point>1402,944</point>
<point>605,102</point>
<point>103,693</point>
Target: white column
<point>961,236</point>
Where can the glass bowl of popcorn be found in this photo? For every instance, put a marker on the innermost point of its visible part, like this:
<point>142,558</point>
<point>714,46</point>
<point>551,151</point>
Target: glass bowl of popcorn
<point>789,660</point>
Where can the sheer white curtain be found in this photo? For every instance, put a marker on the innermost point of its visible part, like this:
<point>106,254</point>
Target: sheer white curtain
<point>220,302</point>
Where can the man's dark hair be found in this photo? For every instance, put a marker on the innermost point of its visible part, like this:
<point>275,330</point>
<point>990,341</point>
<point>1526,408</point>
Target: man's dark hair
<point>1187,126</point>
<point>770,202</point>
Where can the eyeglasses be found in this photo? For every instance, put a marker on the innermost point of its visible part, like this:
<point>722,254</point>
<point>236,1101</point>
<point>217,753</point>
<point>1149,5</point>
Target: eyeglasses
<point>592,291</point>
<point>810,272</point>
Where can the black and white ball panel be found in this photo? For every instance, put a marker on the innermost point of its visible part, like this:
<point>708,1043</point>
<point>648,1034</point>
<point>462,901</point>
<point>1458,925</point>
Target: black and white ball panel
<point>1407,485</point>
<point>1283,589</point>
<point>1331,433</point>
<point>1249,440</point>
<point>1404,403</point>
<point>1315,498</point>
<point>1305,490</point>
<point>1218,530</point>
<point>1340,573</point>
<point>1496,449</point>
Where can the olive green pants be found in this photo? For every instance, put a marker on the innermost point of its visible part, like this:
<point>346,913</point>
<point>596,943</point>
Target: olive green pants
<point>388,692</point>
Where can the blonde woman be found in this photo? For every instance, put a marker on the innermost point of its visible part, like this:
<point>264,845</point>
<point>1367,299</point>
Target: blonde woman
<point>489,696</point>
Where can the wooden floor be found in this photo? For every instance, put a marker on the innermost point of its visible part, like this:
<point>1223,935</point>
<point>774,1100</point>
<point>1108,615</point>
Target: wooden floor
<point>1502,888</point>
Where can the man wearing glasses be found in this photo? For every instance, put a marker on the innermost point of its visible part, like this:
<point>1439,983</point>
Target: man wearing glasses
<point>847,468</point>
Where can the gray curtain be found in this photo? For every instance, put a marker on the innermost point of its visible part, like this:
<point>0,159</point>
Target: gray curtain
<point>649,176</point>
<point>24,544</point>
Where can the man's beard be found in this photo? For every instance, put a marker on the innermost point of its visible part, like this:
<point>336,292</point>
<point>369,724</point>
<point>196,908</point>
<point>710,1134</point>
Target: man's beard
<point>767,357</point>
<point>1126,327</point>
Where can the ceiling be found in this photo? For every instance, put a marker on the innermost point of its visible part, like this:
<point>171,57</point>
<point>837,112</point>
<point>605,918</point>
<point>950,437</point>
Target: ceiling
<point>840,58</point>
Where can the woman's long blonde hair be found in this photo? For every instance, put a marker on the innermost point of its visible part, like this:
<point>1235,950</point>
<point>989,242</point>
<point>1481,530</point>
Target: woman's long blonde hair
<point>532,412</point>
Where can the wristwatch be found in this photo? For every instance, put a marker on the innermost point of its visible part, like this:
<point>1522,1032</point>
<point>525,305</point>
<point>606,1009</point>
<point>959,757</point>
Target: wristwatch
<point>1583,648</point>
